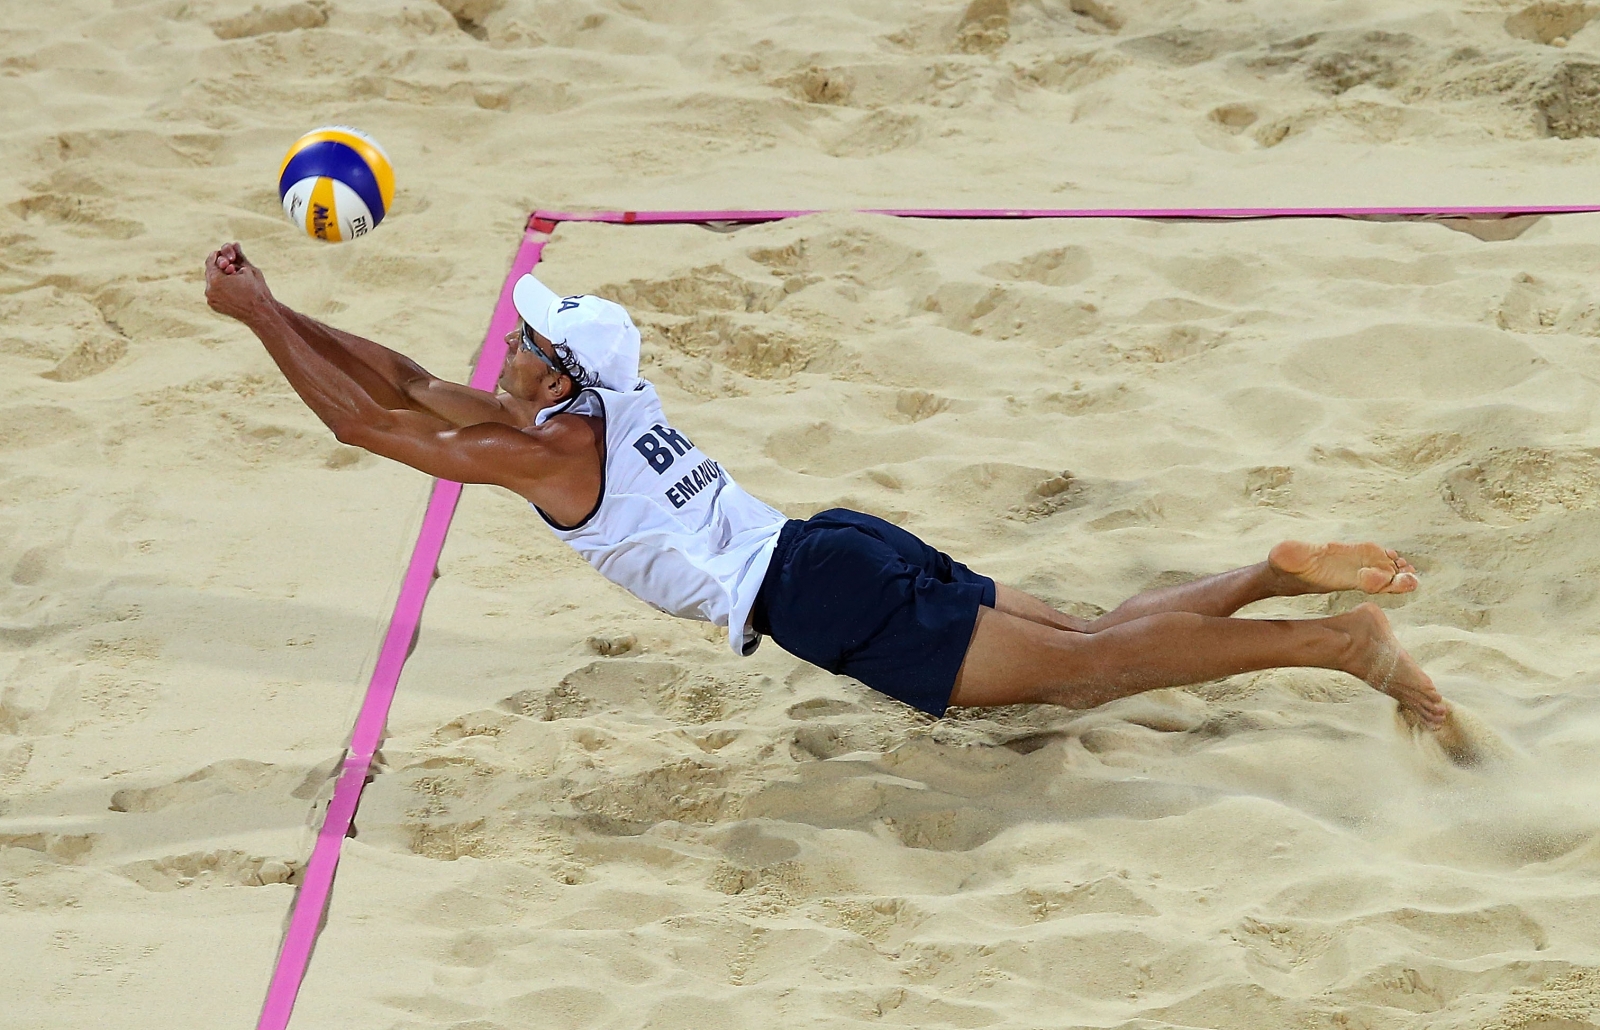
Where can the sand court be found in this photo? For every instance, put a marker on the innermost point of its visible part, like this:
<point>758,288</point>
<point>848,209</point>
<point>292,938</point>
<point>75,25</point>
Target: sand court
<point>591,816</point>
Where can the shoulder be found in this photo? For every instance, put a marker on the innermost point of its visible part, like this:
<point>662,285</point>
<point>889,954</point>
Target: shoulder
<point>570,432</point>
<point>585,402</point>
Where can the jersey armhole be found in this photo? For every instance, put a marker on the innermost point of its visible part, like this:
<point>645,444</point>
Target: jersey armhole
<point>601,499</point>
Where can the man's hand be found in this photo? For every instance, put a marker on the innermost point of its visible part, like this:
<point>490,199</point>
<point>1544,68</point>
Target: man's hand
<point>235,287</point>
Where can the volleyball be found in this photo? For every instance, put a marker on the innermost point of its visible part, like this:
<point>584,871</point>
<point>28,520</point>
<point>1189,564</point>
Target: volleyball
<point>336,183</point>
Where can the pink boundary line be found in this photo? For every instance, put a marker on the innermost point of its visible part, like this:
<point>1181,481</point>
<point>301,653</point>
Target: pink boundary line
<point>311,900</point>
<point>552,218</point>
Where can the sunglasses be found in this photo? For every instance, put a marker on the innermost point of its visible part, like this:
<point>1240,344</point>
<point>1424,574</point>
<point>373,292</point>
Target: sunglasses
<point>527,343</point>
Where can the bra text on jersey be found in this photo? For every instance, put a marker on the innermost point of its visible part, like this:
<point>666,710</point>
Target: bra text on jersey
<point>657,455</point>
<point>662,446</point>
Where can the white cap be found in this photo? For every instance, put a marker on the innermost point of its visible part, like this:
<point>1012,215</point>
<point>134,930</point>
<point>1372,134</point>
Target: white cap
<point>598,332</point>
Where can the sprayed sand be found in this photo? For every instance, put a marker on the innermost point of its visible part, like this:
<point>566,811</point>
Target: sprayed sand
<point>592,815</point>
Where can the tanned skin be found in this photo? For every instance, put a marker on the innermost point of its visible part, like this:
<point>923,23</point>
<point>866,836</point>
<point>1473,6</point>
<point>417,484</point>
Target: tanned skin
<point>1022,650</point>
<point>380,400</point>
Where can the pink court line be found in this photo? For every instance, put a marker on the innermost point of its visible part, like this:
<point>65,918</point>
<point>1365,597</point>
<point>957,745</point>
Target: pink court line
<point>311,900</point>
<point>552,218</point>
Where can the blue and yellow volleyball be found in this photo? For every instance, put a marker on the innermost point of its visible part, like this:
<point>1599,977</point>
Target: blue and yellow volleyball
<point>336,183</point>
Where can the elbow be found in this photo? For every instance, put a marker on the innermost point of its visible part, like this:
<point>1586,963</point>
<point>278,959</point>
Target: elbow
<point>414,388</point>
<point>350,432</point>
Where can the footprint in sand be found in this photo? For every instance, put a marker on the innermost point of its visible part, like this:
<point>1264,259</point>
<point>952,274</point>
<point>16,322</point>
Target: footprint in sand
<point>14,760</point>
<point>116,148</point>
<point>1067,73</point>
<point>1409,360</point>
<point>1059,266</point>
<point>221,868</point>
<point>1002,312</point>
<point>686,791</point>
<point>880,132</point>
<point>1268,485</point>
<point>1052,494</point>
<point>1160,346</point>
<point>1105,397</point>
<point>635,686</point>
<point>760,352</point>
<point>1565,100</point>
<point>39,425</point>
<point>1182,48</point>
<point>984,27</point>
<point>1337,62</point>
<point>815,85</point>
<point>861,256</point>
<point>917,405</point>
<point>83,335</point>
<point>259,21</point>
<point>79,215</point>
<point>88,358</point>
<point>869,86</point>
<point>824,449</point>
<point>875,919</point>
<point>1515,484</point>
<point>1414,452</point>
<point>638,687</point>
<point>234,776</point>
<point>270,443</point>
<point>1108,895</point>
<point>68,848</point>
<point>1234,117</point>
<point>710,287</point>
<point>395,271</point>
<point>1552,24</point>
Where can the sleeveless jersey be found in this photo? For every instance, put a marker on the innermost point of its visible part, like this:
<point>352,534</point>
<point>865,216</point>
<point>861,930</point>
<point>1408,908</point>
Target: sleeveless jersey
<point>670,527</point>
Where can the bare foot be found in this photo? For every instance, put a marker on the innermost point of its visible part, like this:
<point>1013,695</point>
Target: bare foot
<point>1324,568</point>
<point>1377,658</point>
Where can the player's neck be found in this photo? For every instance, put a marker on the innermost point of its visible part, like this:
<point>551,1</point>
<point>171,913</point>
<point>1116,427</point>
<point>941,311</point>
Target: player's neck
<point>522,410</point>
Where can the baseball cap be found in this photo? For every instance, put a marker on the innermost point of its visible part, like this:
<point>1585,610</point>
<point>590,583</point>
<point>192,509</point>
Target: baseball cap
<point>598,332</point>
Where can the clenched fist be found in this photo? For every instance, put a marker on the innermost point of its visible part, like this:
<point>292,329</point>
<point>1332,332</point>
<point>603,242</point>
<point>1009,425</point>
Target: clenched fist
<point>235,287</point>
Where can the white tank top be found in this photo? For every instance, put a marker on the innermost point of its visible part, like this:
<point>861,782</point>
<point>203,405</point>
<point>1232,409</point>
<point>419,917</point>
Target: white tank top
<point>670,527</point>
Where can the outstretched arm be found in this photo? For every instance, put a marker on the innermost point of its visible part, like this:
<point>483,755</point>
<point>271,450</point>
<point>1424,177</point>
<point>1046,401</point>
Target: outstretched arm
<point>385,374</point>
<point>487,453</point>
<point>403,383</point>
<point>389,377</point>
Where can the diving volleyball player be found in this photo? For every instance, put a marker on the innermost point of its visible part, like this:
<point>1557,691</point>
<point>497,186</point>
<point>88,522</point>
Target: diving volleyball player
<point>574,430</point>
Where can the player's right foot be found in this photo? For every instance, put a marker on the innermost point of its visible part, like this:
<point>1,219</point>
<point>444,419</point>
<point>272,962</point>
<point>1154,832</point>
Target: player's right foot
<point>1377,658</point>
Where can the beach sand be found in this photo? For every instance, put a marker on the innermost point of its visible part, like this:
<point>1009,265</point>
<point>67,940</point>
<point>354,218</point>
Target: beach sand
<point>588,814</point>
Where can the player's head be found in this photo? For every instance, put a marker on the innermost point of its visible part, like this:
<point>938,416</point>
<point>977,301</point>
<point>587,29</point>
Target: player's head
<point>584,332</point>
<point>540,370</point>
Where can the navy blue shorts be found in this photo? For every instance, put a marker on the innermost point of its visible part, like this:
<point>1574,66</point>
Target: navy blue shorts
<point>861,597</point>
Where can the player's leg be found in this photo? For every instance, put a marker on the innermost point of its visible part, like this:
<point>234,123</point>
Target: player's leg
<point>1012,660</point>
<point>1291,569</point>
<point>1218,596</point>
<point>1023,605</point>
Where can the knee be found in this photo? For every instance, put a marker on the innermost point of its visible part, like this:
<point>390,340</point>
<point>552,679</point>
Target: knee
<point>1074,662</point>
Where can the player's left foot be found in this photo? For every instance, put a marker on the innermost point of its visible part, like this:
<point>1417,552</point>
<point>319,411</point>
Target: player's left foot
<point>1323,568</point>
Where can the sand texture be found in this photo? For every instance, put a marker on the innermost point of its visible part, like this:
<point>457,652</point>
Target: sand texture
<point>590,815</point>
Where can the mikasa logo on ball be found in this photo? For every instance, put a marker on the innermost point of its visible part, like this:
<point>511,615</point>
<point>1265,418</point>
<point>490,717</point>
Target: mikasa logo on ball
<point>336,183</point>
